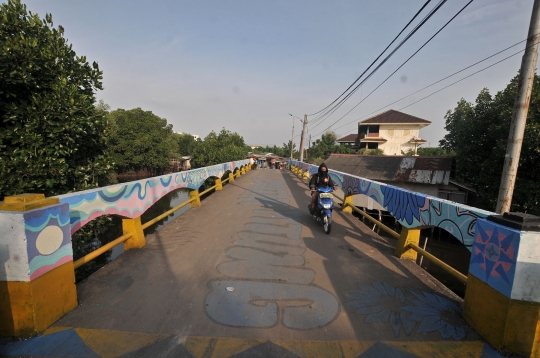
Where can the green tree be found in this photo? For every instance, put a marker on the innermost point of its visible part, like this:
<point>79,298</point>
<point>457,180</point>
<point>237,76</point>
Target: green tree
<point>52,139</point>
<point>217,148</point>
<point>342,149</point>
<point>141,140</point>
<point>365,151</point>
<point>102,107</point>
<point>478,135</point>
<point>287,147</point>
<point>186,143</point>
<point>326,145</point>
<point>329,138</point>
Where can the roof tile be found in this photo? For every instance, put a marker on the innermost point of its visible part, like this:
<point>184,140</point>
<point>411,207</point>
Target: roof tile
<point>392,116</point>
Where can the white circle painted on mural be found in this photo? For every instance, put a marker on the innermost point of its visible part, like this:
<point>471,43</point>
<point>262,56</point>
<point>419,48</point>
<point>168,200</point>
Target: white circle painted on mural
<point>49,240</point>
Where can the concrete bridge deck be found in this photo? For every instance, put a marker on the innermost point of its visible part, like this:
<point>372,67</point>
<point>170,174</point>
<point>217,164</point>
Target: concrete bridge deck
<point>250,274</point>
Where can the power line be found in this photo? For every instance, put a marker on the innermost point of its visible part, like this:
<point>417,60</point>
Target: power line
<point>434,83</point>
<point>403,64</point>
<point>330,111</point>
<point>417,27</point>
<point>367,69</point>
<point>439,90</point>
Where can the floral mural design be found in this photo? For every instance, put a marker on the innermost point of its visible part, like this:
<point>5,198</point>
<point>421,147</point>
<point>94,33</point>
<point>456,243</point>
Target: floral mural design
<point>436,313</point>
<point>402,204</point>
<point>380,303</point>
<point>427,312</point>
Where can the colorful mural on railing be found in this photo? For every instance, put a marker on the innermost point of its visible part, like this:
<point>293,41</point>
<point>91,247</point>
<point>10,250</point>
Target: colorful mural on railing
<point>48,239</point>
<point>132,199</point>
<point>411,209</point>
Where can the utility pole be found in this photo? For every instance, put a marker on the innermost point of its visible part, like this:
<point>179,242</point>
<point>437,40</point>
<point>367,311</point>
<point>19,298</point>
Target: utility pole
<point>292,138</point>
<point>302,138</point>
<point>519,116</point>
<point>309,148</point>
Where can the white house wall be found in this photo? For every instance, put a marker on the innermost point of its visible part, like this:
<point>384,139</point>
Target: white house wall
<point>398,142</point>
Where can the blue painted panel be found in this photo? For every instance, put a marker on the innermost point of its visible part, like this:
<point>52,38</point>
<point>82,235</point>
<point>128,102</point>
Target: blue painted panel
<point>494,255</point>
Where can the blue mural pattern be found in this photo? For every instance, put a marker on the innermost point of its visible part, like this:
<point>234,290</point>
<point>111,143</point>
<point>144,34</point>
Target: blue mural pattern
<point>494,255</point>
<point>411,209</point>
<point>134,198</point>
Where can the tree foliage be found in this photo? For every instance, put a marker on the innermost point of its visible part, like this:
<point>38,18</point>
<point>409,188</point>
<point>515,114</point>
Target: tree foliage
<point>283,151</point>
<point>429,152</point>
<point>51,138</point>
<point>141,140</point>
<point>323,147</point>
<point>365,151</point>
<point>185,142</point>
<point>434,152</point>
<point>478,135</point>
<point>217,148</point>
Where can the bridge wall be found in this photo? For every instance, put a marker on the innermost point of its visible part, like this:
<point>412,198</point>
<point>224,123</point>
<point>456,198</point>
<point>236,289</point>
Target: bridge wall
<point>411,209</point>
<point>502,299</point>
<point>37,281</point>
<point>132,199</point>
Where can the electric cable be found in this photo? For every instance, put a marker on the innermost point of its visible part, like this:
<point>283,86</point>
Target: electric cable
<point>434,83</point>
<point>403,64</point>
<point>367,69</point>
<point>417,27</point>
<point>439,90</point>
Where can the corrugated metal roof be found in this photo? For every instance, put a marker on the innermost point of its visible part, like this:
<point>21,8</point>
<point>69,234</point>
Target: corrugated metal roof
<point>394,117</point>
<point>427,170</point>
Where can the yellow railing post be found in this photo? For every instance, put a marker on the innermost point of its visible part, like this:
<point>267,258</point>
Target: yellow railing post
<point>194,194</point>
<point>348,204</point>
<point>133,227</point>
<point>406,237</point>
<point>33,298</point>
<point>231,177</point>
<point>219,184</point>
<point>243,170</point>
<point>305,175</point>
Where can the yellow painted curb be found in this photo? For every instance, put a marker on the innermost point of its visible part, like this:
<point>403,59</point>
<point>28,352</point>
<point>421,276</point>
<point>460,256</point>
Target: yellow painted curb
<point>108,343</point>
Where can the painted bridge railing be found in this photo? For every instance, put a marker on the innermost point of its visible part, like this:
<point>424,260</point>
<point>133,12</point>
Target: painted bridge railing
<point>410,209</point>
<point>502,297</point>
<point>37,281</point>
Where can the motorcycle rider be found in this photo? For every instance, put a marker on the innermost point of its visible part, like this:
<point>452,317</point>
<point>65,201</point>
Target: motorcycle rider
<point>321,179</point>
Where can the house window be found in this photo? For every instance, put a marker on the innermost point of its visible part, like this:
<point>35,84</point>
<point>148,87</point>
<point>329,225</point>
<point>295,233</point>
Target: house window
<point>368,131</point>
<point>373,145</point>
<point>390,132</point>
<point>406,132</point>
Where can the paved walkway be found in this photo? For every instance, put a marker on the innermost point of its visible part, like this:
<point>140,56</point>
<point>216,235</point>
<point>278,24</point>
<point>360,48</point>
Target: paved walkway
<point>250,274</point>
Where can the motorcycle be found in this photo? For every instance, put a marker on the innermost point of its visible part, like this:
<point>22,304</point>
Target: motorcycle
<point>325,205</point>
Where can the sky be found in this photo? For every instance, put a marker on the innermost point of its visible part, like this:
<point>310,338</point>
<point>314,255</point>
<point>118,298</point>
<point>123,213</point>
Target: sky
<point>245,65</point>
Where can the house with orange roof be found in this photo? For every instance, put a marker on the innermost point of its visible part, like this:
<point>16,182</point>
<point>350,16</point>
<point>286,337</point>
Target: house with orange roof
<point>392,131</point>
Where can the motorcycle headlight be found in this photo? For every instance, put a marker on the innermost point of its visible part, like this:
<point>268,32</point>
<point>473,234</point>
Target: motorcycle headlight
<point>327,206</point>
